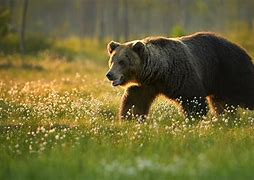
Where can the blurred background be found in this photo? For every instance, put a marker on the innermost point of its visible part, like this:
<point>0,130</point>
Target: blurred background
<point>28,26</point>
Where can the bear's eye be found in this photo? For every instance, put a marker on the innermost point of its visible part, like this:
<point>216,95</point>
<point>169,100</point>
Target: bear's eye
<point>121,63</point>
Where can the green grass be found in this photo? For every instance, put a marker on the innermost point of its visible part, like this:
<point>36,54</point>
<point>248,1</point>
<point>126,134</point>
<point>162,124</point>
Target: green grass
<point>58,120</point>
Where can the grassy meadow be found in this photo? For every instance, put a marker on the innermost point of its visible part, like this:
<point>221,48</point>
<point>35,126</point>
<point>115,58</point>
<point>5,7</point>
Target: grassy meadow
<point>58,120</point>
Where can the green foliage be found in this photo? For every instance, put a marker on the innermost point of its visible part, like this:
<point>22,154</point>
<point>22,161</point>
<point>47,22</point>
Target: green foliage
<point>243,36</point>
<point>177,31</point>
<point>69,48</point>
<point>75,48</point>
<point>4,22</point>
<point>9,44</point>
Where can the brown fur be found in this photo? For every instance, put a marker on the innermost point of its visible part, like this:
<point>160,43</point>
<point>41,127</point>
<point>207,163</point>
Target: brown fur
<point>187,69</point>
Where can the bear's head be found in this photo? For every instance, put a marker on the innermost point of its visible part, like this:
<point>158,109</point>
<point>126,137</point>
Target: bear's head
<point>125,62</point>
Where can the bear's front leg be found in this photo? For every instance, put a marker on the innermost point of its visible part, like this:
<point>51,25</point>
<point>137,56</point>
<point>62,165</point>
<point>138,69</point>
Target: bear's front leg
<point>136,101</point>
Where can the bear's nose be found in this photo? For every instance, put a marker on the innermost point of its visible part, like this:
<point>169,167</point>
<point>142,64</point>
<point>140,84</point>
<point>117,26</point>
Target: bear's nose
<point>109,75</point>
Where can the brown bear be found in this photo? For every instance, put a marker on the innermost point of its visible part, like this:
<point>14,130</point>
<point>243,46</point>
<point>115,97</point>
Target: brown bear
<point>193,70</point>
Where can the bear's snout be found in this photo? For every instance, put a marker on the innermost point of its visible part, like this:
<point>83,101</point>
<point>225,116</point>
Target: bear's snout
<point>110,76</point>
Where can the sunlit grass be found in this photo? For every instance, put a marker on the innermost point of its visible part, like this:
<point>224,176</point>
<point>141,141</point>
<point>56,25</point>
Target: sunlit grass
<point>58,120</point>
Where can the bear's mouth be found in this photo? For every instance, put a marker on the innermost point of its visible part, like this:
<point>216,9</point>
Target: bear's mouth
<point>118,81</point>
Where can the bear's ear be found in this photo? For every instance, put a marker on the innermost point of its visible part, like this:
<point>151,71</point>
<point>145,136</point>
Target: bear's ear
<point>112,46</point>
<point>138,47</point>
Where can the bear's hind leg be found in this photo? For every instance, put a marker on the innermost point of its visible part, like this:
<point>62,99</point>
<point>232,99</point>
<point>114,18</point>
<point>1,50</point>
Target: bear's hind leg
<point>136,101</point>
<point>219,106</point>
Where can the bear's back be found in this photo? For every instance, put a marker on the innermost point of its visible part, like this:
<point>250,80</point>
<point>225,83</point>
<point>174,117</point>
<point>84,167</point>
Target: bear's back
<point>211,56</point>
<point>227,62</point>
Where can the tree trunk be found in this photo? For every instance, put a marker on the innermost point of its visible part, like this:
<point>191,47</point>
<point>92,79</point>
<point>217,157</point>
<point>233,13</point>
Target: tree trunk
<point>100,21</point>
<point>23,27</point>
<point>116,23</point>
<point>126,20</point>
<point>88,18</point>
<point>183,14</point>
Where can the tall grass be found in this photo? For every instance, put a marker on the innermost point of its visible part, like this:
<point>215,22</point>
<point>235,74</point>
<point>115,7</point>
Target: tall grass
<point>58,120</point>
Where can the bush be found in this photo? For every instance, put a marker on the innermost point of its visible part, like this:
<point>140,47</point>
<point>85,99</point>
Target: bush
<point>9,44</point>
